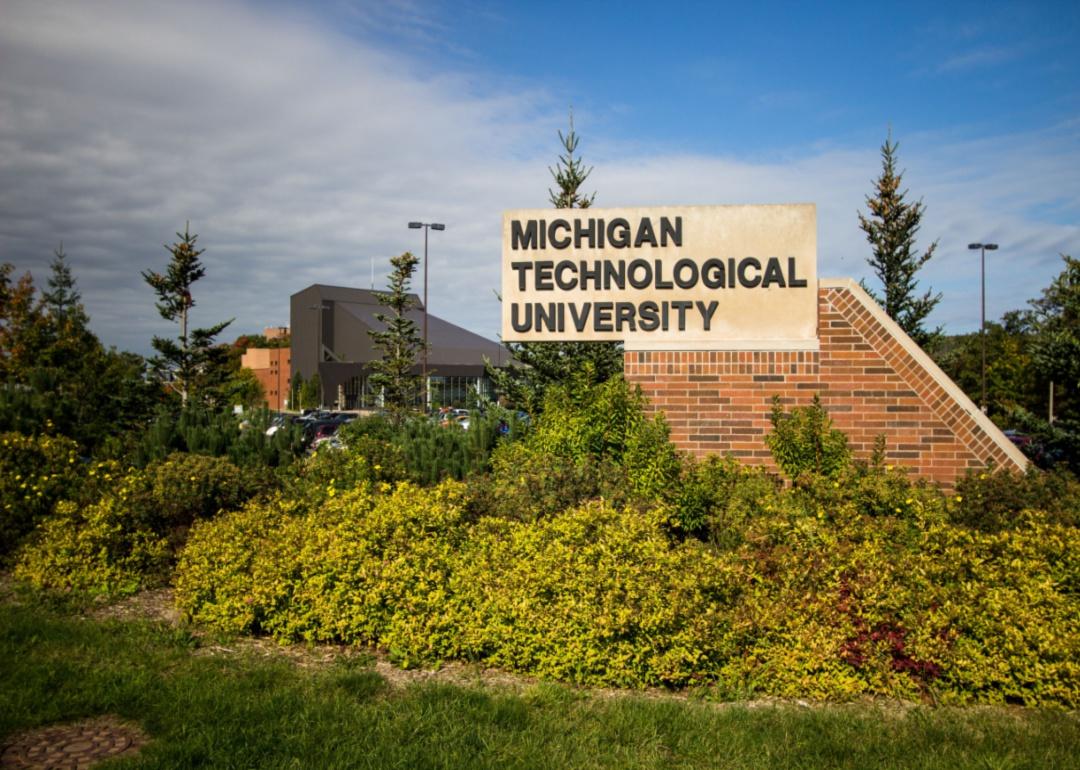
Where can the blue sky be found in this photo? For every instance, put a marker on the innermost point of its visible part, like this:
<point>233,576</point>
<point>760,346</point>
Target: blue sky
<point>300,138</point>
<point>754,79</point>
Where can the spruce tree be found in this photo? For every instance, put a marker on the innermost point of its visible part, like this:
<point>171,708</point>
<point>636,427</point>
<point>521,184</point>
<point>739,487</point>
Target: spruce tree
<point>891,229</point>
<point>185,360</point>
<point>548,363</point>
<point>63,300</point>
<point>399,342</point>
<point>569,174</point>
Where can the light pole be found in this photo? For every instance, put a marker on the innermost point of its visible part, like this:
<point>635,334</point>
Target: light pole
<point>983,247</point>
<point>423,368</point>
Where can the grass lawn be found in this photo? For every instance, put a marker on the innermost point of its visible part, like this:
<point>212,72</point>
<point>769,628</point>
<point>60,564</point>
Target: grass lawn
<point>247,711</point>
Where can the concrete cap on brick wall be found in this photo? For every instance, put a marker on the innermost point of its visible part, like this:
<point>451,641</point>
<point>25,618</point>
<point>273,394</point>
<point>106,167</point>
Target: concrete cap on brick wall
<point>992,431</point>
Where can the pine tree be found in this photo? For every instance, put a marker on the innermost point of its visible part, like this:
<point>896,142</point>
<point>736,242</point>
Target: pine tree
<point>399,342</point>
<point>569,175</point>
<point>891,229</point>
<point>187,358</point>
<point>55,375</point>
<point>548,363</point>
<point>63,300</point>
<point>68,324</point>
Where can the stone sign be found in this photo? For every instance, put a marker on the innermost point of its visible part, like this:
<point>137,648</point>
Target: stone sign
<point>664,278</point>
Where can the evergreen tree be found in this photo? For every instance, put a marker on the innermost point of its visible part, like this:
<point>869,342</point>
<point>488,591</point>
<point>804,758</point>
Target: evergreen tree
<point>399,342</point>
<point>296,389</point>
<point>57,376</point>
<point>543,364</point>
<point>186,361</point>
<point>63,300</point>
<point>310,393</point>
<point>569,175</point>
<point>891,229</point>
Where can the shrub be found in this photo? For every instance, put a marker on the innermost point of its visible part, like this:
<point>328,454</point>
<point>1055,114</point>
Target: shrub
<point>991,500</point>
<point>798,602</point>
<point>717,496</point>
<point>35,473</point>
<point>594,595</point>
<point>96,549</point>
<point>525,485</point>
<point>805,441</point>
<point>329,472</point>
<point>364,568</point>
<point>218,434</point>
<point>171,494</point>
<point>593,440</point>
<point>121,528</point>
<point>1006,604</point>
<point>235,570</point>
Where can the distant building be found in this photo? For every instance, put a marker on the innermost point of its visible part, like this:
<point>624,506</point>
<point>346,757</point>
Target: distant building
<point>272,367</point>
<point>334,342</point>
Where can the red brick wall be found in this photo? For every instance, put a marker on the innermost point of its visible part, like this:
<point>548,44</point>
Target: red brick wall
<point>869,379</point>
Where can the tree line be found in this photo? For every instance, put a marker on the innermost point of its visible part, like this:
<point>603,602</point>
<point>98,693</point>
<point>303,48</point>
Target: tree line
<point>56,375</point>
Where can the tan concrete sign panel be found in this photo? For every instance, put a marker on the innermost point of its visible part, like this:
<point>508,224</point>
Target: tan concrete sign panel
<point>663,278</point>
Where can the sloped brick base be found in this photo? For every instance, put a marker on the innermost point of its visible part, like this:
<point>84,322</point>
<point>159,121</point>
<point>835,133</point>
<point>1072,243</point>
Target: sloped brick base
<point>870,376</point>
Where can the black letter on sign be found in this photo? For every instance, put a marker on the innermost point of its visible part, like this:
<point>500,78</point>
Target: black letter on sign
<point>680,266</point>
<point>618,233</point>
<point>522,268</point>
<point>543,278</point>
<point>523,238</point>
<point>792,281</point>
<point>667,230</point>
<point>561,282</point>
<point>707,313</point>
<point>580,320</point>
<point>559,224</point>
<point>650,316</point>
<point>749,283</point>
<point>633,267</point>
<point>712,273</point>
<point>773,273</point>
<point>602,316</point>
<point>522,326</point>
<point>645,233</point>
<point>682,306</point>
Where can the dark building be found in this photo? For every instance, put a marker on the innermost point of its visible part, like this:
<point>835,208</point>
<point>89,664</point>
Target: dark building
<point>330,335</point>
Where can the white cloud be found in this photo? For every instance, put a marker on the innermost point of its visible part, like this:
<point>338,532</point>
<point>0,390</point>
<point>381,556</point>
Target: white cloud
<point>299,154</point>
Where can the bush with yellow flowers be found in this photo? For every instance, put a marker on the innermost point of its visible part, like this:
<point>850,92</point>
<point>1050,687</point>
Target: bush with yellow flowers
<point>119,528</point>
<point>35,473</point>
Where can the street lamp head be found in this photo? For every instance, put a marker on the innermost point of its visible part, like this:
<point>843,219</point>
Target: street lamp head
<point>436,226</point>
<point>975,245</point>
<point>990,246</point>
<point>415,225</point>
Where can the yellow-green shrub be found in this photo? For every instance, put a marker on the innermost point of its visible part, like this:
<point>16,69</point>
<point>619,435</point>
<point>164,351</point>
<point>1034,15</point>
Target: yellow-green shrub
<point>366,568</point>
<point>327,472</point>
<point>35,473</point>
<point>1009,603</point>
<point>95,549</point>
<point>236,569</point>
<point>804,602</point>
<point>593,595</point>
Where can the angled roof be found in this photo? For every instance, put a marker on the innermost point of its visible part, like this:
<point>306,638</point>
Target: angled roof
<point>355,313</point>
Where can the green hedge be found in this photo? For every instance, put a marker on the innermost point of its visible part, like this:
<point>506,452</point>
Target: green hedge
<point>802,603</point>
